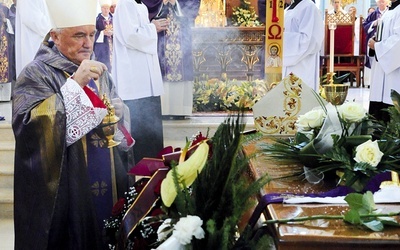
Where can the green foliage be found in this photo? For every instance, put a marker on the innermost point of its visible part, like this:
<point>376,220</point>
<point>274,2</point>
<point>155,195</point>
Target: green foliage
<point>340,159</point>
<point>222,192</point>
<point>393,126</point>
<point>336,79</point>
<point>225,174</point>
<point>362,213</point>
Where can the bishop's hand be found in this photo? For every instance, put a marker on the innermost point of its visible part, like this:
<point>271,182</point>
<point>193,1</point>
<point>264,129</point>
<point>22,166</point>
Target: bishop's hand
<point>87,70</point>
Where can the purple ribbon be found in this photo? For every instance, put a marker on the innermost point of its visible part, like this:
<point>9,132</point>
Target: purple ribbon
<point>372,185</point>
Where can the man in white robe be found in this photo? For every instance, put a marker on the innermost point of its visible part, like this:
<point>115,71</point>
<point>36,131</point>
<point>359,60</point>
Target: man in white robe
<point>302,41</point>
<point>336,8</point>
<point>136,71</point>
<point>32,24</point>
<point>385,71</point>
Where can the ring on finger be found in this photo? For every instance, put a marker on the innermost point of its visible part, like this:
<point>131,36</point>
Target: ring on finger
<point>93,69</point>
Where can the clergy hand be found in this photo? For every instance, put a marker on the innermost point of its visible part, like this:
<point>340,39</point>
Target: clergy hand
<point>108,33</point>
<point>161,24</point>
<point>371,43</point>
<point>87,70</point>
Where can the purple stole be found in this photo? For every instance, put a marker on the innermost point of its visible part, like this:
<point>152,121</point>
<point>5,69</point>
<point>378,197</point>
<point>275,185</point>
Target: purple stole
<point>100,167</point>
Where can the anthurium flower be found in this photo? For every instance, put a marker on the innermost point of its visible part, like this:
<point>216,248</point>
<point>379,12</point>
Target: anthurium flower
<point>187,172</point>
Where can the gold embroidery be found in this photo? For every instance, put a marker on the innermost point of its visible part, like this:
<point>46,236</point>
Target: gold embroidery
<point>291,105</point>
<point>3,58</point>
<point>97,141</point>
<point>173,51</point>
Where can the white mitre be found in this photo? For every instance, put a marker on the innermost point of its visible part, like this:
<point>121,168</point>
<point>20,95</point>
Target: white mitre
<point>277,112</point>
<point>105,2</point>
<point>72,13</point>
<point>114,2</point>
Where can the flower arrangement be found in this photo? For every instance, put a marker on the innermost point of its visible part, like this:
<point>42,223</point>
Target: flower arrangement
<point>218,95</point>
<point>185,212</point>
<point>342,140</point>
<point>245,15</point>
<point>146,230</point>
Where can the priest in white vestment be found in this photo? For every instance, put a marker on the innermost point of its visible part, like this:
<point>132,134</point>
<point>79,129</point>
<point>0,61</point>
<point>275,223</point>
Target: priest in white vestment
<point>385,71</point>
<point>136,71</point>
<point>336,8</point>
<point>302,41</point>
<point>32,24</point>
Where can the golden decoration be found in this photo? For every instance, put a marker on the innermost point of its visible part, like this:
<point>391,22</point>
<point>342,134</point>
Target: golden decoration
<point>108,126</point>
<point>346,2</point>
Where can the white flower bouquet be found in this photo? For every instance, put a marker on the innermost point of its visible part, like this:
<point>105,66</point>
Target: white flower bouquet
<point>343,140</point>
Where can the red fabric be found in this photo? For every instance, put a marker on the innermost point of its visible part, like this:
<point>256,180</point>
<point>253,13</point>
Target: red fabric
<point>147,167</point>
<point>127,135</point>
<point>166,150</point>
<point>96,101</point>
<point>141,207</point>
<point>344,42</point>
<point>346,64</point>
<point>363,42</point>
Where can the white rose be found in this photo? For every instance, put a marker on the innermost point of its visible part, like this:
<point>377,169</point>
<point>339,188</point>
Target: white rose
<point>310,120</point>
<point>368,152</point>
<point>187,227</point>
<point>352,112</point>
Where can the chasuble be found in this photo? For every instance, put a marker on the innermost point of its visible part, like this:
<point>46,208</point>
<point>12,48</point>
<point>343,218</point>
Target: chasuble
<point>65,183</point>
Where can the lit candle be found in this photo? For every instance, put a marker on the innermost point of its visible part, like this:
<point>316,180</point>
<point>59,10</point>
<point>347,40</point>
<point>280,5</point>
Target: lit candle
<point>332,27</point>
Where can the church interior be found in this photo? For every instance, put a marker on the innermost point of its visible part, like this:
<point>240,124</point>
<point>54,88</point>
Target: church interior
<point>226,50</point>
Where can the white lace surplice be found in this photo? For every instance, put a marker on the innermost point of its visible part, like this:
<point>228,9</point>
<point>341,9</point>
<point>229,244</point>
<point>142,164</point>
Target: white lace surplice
<point>82,116</point>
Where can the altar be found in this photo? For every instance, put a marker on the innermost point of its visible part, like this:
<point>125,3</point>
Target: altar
<point>312,234</point>
<point>228,52</point>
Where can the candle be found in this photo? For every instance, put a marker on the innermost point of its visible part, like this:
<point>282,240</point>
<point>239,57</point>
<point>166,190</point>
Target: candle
<point>332,27</point>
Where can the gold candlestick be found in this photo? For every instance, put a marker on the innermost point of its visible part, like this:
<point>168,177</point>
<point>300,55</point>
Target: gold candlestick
<point>334,93</point>
<point>332,28</point>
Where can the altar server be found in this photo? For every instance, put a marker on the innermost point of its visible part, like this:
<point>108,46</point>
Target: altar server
<point>385,71</point>
<point>137,73</point>
<point>32,24</point>
<point>302,41</point>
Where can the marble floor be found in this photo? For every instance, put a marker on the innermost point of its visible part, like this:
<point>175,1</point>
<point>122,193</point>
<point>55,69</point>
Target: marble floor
<point>6,225</point>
